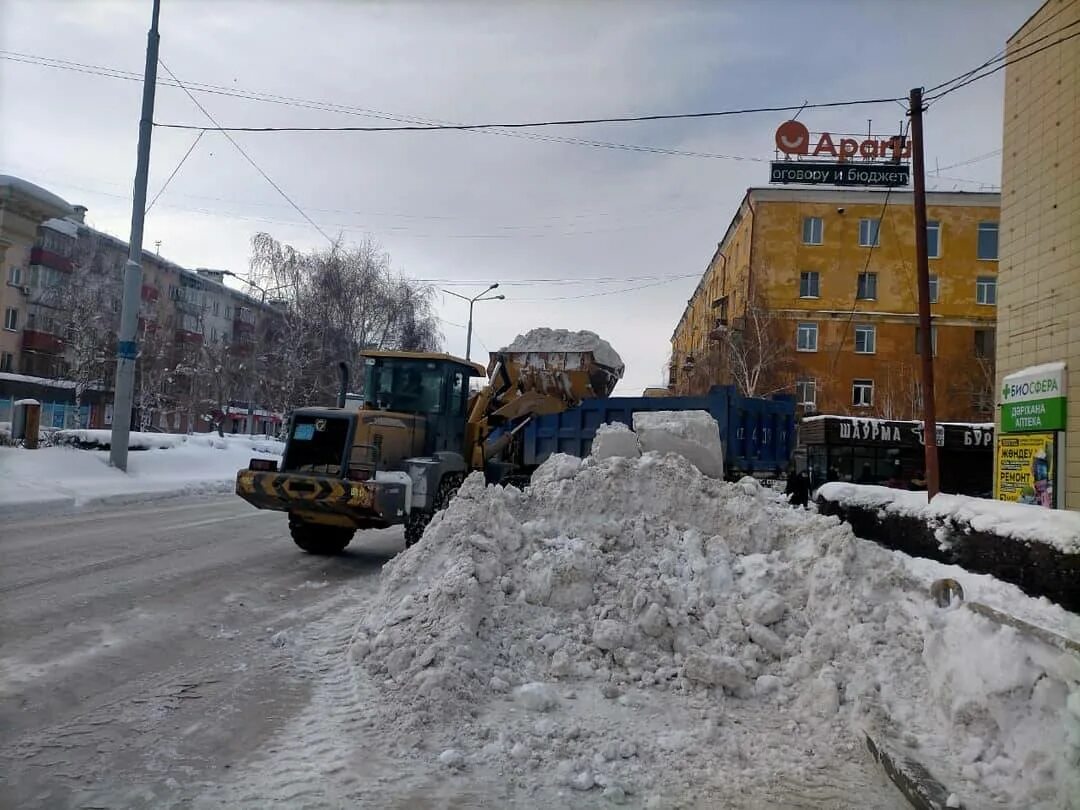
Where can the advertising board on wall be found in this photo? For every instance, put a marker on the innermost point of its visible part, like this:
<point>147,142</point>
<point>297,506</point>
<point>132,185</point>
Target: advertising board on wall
<point>839,161</point>
<point>1026,469</point>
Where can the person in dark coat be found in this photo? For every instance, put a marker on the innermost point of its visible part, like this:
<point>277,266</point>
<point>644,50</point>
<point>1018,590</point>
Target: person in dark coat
<point>798,489</point>
<point>867,475</point>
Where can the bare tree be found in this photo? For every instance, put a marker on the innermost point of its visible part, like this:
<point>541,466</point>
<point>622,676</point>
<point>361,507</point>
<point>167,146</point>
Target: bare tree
<point>752,352</point>
<point>151,369</point>
<point>329,304</point>
<point>899,394</point>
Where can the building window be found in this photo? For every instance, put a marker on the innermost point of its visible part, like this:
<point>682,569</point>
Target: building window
<point>865,339</point>
<point>812,230</point>
<point>869,232</point>
<point>986,290</point>
<point>862,393</point>
<point>7,361</point>
<point>867,287</point>
<point>984,342</point>
<point>933,289</point>
<point>809,284</point>
<point>933,340</point>
<point>988,241</point>
<point>213,334</point>
<point>228,312</point>
<point>217,307</point>
<point>806,392</point>
<point>11,319</point>
<point>807,337</point>
<point>15,276</point>
<point>933,239</point>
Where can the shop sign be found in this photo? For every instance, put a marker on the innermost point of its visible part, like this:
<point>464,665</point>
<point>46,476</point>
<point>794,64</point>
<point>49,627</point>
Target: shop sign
<point>839,174</point>
<point>1033,399</point>
<point>839,161</point>
<point>868,430</point>
<point>1024,468</point>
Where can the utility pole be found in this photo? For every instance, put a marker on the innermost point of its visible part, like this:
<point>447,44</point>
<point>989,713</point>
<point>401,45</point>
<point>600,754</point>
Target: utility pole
<point>127,344</point>
<point>926,342</point>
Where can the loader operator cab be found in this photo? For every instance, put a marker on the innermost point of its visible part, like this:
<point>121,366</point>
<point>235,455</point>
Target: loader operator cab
<point>429,385</point>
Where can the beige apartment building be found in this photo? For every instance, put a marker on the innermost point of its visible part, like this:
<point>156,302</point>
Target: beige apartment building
<point>1039,270</point>
<point>23,207</point>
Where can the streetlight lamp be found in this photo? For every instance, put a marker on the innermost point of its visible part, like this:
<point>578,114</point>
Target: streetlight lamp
<point>479,297</point>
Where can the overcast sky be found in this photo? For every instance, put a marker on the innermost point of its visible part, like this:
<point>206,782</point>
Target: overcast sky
<point>481,206</point>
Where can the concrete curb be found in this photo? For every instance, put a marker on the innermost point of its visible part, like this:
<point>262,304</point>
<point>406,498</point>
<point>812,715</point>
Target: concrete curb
<point>914,781</point>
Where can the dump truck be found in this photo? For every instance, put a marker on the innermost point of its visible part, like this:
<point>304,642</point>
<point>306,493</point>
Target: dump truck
<point>397,453</point>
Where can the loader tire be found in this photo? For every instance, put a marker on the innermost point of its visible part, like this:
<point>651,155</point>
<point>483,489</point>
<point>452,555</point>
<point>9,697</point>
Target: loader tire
<point>418,519</point>
<point>415,524</point>
<point>316,539</point>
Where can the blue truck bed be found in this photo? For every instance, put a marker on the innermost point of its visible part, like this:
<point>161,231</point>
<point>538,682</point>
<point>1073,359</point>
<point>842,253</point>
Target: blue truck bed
<point>758,435</point>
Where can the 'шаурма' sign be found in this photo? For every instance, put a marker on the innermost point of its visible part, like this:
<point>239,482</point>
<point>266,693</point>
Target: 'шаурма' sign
<point>1033,399</point>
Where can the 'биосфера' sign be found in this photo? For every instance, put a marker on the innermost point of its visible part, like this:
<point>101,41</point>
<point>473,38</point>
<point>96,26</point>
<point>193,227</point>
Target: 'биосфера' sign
<point>1033,399</point>
<point>839,174</point>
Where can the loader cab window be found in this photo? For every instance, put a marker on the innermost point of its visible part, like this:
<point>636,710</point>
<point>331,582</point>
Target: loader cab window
<point>406,385</point>
<point>457,393</point>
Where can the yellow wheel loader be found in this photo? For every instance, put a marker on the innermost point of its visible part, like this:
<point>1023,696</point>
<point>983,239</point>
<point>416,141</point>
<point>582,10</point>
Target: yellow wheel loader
<point>398,452</point>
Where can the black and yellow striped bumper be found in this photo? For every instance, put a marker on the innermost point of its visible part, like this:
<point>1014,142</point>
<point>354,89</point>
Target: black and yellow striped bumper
<point>364,502</point>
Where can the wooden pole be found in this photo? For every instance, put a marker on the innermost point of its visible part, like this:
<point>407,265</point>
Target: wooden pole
<point>926,343</point>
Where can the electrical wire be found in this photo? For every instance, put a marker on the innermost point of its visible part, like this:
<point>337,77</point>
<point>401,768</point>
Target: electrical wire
<point>291,101</point>
<point>1001,54</point>
<point>248,157</point>
<point>1005,61</point>
<point>174,171</point>
<point>608,292</point>
<point>565,122</point>
<point>968,162</point>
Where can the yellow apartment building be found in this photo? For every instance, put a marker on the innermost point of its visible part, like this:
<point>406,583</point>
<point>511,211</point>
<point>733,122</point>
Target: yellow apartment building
<point>833,317</point>
<point>1039,310</point>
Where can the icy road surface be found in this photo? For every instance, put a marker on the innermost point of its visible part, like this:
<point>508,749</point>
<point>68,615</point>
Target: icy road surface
<point>186,654</point>
<point>145,650</point>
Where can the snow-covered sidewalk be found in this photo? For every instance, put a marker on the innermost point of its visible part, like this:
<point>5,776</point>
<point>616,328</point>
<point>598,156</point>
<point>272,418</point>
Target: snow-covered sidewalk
<point>62,477</point>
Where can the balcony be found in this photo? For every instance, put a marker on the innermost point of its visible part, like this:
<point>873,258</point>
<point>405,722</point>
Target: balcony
<point>46,258</point>
<point>44,342</point>
<point>150,293</point>
<point>189,338</point>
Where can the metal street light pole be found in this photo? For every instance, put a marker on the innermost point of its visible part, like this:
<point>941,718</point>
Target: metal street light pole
<point>127,343</point>
<point>472,301</point>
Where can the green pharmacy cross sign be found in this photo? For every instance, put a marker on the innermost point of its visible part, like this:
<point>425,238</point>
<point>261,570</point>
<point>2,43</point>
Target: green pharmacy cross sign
<point>1033,399</point>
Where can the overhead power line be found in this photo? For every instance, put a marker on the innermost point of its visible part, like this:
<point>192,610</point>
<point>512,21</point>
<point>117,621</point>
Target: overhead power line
<point>1001,53</point>
<point>325,106</point>
<point>183,160</point>
<point>565,122</point>
<point>248,157</point>
<point>1004,61</point>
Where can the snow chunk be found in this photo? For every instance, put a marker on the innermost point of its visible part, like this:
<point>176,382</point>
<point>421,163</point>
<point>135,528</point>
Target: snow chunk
<point>536,696</point>
<point>563,340</point>
<point>766,607</point>
<point>717,670</point>
<point>692,434</point>
<point>615,440</point>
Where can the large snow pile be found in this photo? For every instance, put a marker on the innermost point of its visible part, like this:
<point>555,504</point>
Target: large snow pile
<point>1021,521</point>
<point>627,625</point>
<point>65,476</point>
<point>563,340</point>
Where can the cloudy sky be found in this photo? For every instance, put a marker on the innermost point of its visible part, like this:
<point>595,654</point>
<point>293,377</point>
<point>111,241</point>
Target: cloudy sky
<point>621,235</point>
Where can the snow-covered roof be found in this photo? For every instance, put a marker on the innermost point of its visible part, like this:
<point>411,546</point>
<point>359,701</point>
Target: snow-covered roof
<point>11,186</point>
<point>1031,371</point>
<point>64,226</point>
<point>26,378</point>
<point>821,417</point>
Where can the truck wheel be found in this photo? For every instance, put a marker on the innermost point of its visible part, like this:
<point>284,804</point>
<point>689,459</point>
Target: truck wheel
<point>316,539</point>
<point>418,519</point>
